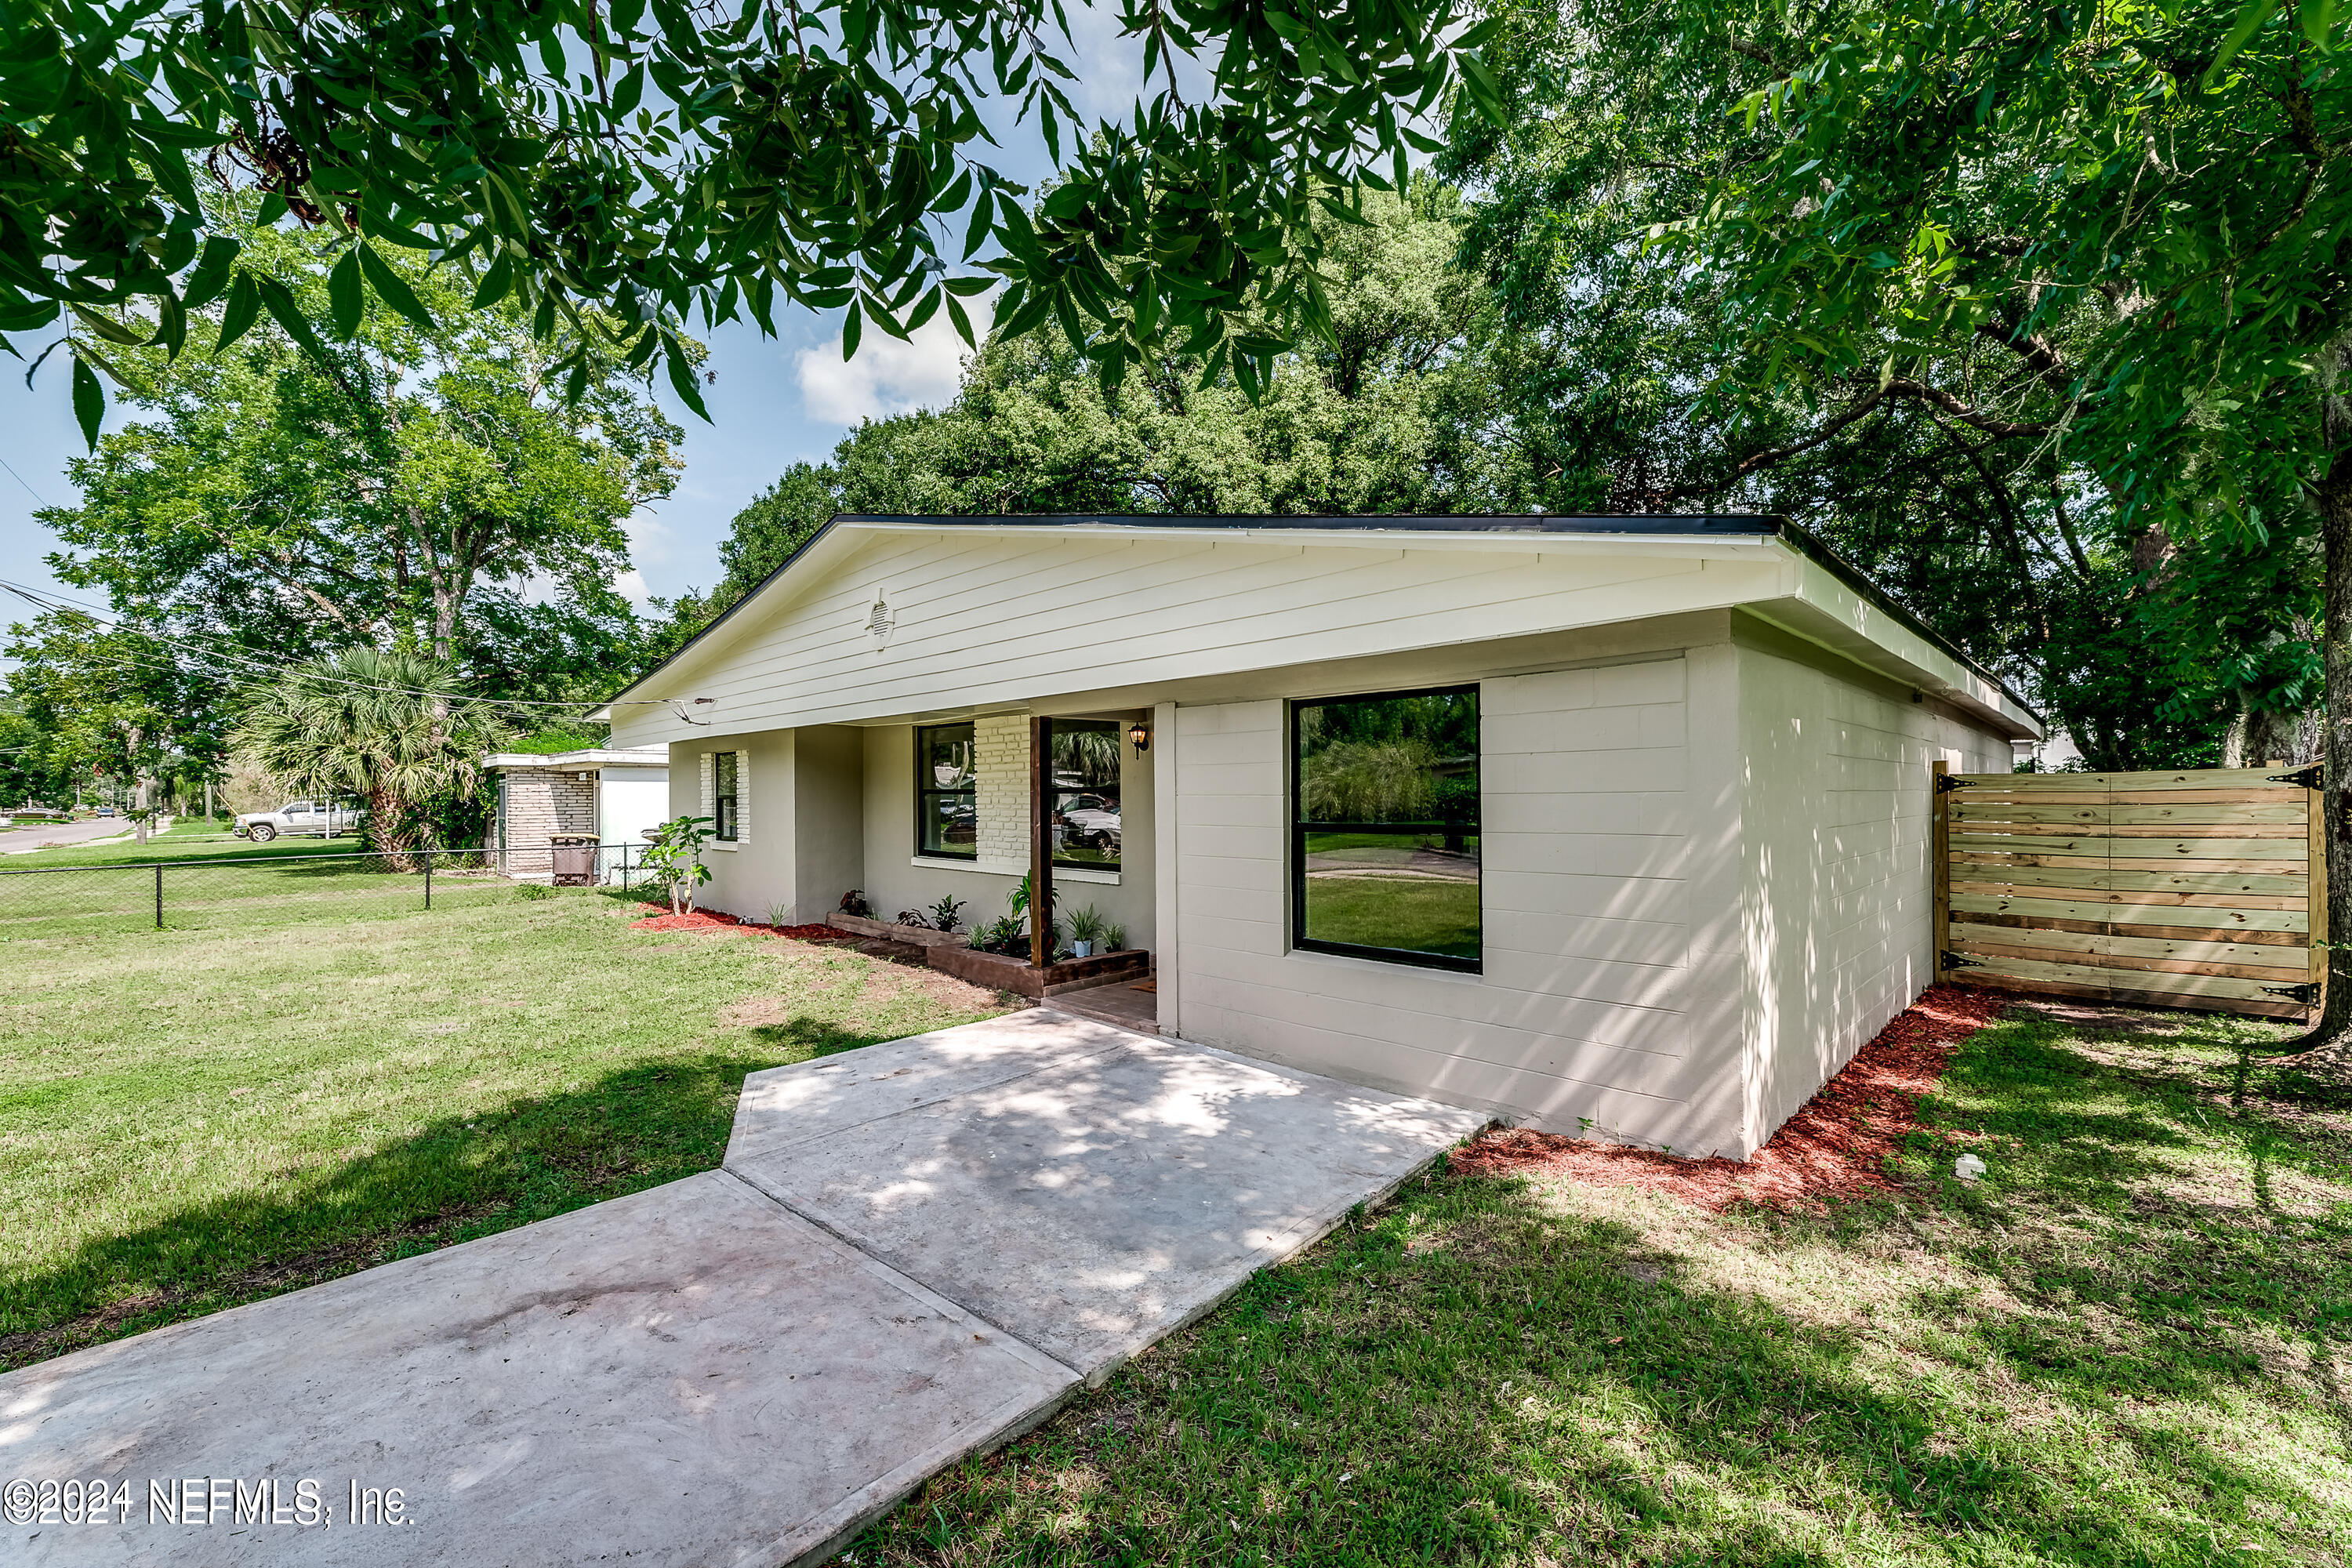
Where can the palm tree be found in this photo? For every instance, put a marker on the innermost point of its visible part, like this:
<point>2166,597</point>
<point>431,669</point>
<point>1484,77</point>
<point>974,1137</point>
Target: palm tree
<point>373,725</point>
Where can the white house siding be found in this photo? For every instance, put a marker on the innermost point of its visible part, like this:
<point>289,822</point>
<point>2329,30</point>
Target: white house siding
<point>893,881</point>
<point>1017,616</point>
<point>1600,792</point>
<point>1837,900</point>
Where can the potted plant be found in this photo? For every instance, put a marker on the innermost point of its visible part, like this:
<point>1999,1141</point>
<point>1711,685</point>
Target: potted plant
<point>1087,928</point>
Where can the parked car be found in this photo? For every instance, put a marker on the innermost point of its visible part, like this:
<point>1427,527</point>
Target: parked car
<point>105,811</point>
<point>1090,821</point>
<point>311,818</point>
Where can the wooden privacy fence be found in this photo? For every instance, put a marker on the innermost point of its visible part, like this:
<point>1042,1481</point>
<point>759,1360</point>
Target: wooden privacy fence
<point>2199,888</point>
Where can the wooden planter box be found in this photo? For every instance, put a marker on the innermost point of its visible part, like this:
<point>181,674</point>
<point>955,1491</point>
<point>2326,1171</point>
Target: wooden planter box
<point>916,936</point>
<point>952,953</point>
<point>999,973</point>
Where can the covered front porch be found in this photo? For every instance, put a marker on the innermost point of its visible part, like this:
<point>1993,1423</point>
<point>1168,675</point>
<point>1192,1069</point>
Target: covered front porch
<point>944,833</point>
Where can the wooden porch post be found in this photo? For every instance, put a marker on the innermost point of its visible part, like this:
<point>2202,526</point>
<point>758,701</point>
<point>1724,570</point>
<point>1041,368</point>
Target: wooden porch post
<point>1041,843</point>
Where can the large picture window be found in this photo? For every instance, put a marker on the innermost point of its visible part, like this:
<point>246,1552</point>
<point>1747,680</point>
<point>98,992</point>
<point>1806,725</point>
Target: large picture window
<point>947,786</point>
<point>1384,827</point>
<point>727,796</point>
<point>1085,758</point>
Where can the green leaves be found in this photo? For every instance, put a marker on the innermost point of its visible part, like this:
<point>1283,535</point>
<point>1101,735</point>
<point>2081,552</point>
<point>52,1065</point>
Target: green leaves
<point>392,289</point>
<point>702,160</point>
<point>88,401</point>
<point>345,298</point>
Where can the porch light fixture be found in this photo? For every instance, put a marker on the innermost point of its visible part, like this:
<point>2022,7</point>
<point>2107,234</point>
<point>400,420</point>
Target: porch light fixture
<point>1140,735</point>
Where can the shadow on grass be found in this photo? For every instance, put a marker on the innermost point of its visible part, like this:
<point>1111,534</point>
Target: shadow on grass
<point>455,1180</point>
<point>2172,1216</point>
<point>1472,1376</point>
<point>2085,1369</point>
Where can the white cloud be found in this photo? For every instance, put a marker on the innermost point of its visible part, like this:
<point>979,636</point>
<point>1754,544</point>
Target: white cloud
<point>631,585</point>
<point>649,537</point>
<point>889,376</point>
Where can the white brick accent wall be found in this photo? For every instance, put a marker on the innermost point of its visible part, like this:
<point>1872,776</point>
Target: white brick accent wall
<point>1000,749</point>
<point>708,774</point>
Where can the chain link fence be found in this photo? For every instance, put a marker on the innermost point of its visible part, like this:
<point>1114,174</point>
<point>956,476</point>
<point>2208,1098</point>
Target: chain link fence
<point>207,891</point>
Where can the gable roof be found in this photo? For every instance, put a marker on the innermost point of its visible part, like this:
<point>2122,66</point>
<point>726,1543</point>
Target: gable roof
<point>1431,529</point>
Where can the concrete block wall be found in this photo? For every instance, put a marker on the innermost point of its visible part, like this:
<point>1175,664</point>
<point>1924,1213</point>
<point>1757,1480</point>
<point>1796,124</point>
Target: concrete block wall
<point>895,878</point>
<point>1595,822</point>
<point>1838,895</point>
<point>540,802</point>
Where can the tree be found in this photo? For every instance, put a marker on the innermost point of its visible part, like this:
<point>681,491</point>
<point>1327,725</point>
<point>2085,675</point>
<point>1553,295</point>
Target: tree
<point>32,771</point>
<point>409,488</point>
<point>1654,381</point>
<point>711,161</point>
<point>110,702</point>
<point>2143,212</point>
<point>373,725</point>
<point>1398,412</point>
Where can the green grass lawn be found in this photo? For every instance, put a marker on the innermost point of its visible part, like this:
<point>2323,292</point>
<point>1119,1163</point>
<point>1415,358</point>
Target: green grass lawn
<point>191,1119</point>
<point>210,881</point>
<point>2128,1346</point>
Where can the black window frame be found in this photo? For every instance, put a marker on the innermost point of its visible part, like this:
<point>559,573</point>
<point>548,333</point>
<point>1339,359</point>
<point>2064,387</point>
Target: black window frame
<point>1054,793</point>
<point>727,796</point>
<point>926,790</point>
<point>1293,806</point>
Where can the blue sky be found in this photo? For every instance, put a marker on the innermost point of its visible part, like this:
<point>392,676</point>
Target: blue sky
<point>777,401</point>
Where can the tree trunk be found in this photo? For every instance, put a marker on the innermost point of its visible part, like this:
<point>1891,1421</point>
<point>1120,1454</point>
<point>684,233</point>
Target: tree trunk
<point>2331,1038</point>
<point>388,828</point>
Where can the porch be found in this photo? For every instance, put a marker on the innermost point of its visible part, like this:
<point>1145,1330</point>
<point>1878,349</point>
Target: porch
<point>940,833</point>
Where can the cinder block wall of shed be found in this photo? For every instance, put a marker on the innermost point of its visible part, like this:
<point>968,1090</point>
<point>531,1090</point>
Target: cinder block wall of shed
<point>1836,902</point>
<point>540,803</point>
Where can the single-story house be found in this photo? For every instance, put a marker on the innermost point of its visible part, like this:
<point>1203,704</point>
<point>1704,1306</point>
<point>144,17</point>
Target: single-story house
<point>615,793</point>
<point>1616,825</point>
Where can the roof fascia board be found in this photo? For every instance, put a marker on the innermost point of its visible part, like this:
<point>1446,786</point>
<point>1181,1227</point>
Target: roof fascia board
<point>1829,613</point>
<point>1721,546</point>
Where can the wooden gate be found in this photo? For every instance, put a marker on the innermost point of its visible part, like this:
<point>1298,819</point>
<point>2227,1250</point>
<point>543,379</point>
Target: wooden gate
<point>2201,889</point>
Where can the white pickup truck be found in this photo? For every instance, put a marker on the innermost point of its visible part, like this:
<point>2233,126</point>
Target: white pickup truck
<point>315,818</point>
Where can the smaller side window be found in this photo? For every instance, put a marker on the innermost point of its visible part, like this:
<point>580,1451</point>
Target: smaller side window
<point>726,771</point>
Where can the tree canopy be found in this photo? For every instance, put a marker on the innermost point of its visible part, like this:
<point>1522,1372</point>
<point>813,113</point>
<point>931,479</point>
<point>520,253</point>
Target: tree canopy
<point>430,489</point>
<point>617,168</point>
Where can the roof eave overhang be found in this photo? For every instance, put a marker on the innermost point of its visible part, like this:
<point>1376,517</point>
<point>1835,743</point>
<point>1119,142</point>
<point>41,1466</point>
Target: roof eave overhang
<point>1827,602</point>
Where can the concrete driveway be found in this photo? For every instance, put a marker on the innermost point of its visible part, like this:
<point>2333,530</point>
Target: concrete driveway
<point>913,1252</point>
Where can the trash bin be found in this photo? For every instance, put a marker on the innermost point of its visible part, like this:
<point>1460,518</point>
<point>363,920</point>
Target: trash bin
<point>575,855</point>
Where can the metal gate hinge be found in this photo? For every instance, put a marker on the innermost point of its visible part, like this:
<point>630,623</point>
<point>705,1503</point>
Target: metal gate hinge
<point>2303,778</point>
<point>2305,992</point>
<point>1946,783</point>
<point>1962,961</point>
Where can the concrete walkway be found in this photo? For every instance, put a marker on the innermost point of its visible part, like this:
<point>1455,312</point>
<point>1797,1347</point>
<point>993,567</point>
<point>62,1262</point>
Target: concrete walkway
<point>913,1252</point>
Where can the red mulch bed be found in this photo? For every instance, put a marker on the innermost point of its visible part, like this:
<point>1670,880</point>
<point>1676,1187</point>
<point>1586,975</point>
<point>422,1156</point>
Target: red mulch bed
<point>712,919</point>
<point>1835,1147</point>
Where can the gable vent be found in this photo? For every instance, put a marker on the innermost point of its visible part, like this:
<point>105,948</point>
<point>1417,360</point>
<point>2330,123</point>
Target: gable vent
<point>879,621</point>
